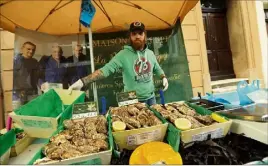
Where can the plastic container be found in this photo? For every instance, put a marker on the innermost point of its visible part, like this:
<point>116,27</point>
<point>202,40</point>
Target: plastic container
<point>21,145</point>
<point>131,139</point>
<point>40,117</point>
<point>210,105</point>
<point>200,134</point>
<point>100,158</point>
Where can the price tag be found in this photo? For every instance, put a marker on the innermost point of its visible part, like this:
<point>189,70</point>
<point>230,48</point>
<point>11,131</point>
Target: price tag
<point>218,133</point>
<point>126,98</point>
<point>55,86</point>
<point>141,138</point>
<point>84,110</point>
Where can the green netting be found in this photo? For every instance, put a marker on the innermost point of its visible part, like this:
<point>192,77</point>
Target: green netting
<point>96,161</point>
<point>48,104</point>
<point>68,109</point>
<point>172,135</point>
<point>7,141</point>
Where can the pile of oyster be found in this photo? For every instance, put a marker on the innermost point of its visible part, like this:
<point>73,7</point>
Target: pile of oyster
<point>173,111</point>
<point>20,135</point>
<point>78,138</point>
<point>134,116</point>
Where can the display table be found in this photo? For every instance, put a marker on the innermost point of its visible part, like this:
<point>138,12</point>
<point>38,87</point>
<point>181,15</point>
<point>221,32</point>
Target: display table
<point>25,157</point>
<point>253,130</point>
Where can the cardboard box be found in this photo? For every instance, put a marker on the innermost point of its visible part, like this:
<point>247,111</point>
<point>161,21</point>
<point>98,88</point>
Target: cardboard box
<point>21,145</point>
<point>37,127</point>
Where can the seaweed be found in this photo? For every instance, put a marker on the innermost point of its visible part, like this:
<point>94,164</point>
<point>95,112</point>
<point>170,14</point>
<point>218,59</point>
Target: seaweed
<point>232,150</point>
<point>123,159</point>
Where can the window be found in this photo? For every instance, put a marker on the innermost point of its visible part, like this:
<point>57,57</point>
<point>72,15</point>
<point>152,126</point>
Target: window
<point>214,4</point>
<point>266,14</point>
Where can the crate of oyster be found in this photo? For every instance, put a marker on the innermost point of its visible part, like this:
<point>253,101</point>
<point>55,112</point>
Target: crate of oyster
<point>195,123</point>
<point>86,141</point>
<point>23,140</point>
<point>134,125</point>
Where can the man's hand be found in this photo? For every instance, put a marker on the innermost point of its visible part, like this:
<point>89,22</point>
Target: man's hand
<point>165,84</point>
<point>78,85</point>
<point>44,87</point>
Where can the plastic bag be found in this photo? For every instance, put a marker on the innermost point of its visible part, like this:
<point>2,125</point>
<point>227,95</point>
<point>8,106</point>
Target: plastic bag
<point>243,88</point>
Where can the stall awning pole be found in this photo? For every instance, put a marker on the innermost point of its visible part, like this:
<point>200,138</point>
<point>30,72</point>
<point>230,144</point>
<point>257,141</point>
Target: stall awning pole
<point>94,87</point>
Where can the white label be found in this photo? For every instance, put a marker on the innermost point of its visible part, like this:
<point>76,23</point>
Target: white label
<point>218,133</point>
<point>259,96</point>
<point>84,110</point>
<point>123,103</point>
<point>126,98</point>
<point>84,115</point>
<point>55,86</point>
<point>160,163</point>
<point>142,138</point>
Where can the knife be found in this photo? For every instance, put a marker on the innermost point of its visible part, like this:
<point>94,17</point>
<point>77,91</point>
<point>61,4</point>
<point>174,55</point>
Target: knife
<point>162,99</point>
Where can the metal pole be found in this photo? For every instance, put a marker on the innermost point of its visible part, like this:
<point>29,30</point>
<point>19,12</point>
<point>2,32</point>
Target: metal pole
<point>94,87</point>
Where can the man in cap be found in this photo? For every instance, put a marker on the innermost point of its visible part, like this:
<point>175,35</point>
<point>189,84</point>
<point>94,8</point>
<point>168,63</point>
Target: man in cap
<point>138,64</point>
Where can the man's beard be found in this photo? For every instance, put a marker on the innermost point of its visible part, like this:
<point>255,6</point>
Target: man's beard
<point>138,45</point>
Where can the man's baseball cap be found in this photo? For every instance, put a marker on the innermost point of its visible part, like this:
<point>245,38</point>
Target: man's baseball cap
<point>136,26</point>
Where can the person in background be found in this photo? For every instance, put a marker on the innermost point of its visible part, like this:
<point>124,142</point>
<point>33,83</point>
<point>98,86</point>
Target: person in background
<point>78,70</point>
<point>52,69</point>
<point>138,64</point>
<point>25,74</point>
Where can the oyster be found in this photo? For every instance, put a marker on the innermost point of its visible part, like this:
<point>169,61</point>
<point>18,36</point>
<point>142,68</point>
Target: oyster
<point>101,124</point>
<point>154,121</point>
<point>184,109</point>
<point>70,154</point>
<point>194,122</point>
<point>140,105</point>
<point>116,118</point>
<point>101,144</point>
<point>207,120</point>
<point>99,136</point>
<point>67,146</point>
<point>55,154</point>
<point>132,110</point>
<point>143,118</point>
<point>42,161</point>
<point>59,139</point>
<point>133,122</point>
<point>79,141</point>
<point>68,124</point>
<point>90,134</point>
<point>79,137</point>
<point>90,120</point>
<point>49,148</point>
<point>130,127</point>
<point>88,149</point>
<point>77,133</point>
<point>90,126</point>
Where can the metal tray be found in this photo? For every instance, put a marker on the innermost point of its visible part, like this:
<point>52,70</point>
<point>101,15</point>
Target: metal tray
<point>254,112</point>
<point>210,105</point>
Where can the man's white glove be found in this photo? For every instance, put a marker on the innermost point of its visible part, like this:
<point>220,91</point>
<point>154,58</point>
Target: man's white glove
<point>165,84</point>
<point>44,87</point>
<point>78,85</point>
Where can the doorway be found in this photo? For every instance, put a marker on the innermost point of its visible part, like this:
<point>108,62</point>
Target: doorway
<point>217,40</point>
